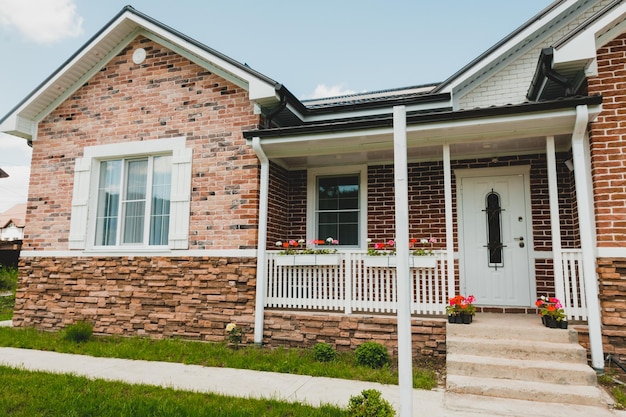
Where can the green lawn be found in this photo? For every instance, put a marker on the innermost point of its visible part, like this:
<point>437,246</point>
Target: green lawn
<point>34,394</point>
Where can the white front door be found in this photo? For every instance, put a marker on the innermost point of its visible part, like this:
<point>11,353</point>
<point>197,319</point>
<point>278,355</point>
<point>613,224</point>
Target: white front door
<point>495,243</point>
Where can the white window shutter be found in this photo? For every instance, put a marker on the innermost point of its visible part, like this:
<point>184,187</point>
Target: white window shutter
<point>80,198</point>
<point>180,199</point>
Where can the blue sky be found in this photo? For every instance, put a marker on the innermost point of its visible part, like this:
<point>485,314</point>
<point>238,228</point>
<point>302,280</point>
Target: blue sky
<point>315,48</point>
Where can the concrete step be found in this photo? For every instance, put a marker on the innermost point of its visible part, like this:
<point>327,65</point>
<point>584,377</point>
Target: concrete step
<point>527,390</point>
<point>517,349</point>
<point>509,407</point>
<point>563,373</point>
<point>525,327</point>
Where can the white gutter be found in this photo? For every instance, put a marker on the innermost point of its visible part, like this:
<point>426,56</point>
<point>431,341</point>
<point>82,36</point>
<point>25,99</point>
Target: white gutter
<point>261,262</point>
<point>405,359</point>
<point>584,196</point>
<point>447,183</point>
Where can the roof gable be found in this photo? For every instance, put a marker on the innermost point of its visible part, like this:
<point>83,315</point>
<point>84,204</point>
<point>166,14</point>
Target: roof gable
<point>104,46</point>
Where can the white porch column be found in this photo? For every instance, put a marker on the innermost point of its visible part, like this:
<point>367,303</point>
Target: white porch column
<point>584,197</point>
<point>405,357</point>
<point>447,183</point>
<point>555,221</point>
<point>261,260</point>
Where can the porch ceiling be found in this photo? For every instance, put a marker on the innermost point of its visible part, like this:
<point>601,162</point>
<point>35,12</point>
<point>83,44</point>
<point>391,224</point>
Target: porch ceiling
<point>474,138</point>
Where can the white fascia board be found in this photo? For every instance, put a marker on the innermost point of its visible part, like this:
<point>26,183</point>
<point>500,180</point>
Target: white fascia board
<point>18,126</point>
<point>583,46</point>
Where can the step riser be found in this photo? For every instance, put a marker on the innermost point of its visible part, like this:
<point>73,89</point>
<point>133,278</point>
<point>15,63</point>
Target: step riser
<point>482,370</point>
<point>529,395</point>
<point>573,354</point>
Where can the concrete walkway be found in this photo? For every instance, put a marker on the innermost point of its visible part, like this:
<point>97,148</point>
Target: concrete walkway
<point>294,388</point>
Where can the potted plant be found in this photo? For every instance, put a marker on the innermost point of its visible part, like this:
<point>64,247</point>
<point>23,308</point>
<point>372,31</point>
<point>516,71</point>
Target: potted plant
<point>300,252</point>
<point>552,313</point>
<point>461,309</point>
<point>234,335</point>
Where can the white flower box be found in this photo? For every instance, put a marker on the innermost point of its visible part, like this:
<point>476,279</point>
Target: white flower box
<point>308,259</point>
<point>389,261</point>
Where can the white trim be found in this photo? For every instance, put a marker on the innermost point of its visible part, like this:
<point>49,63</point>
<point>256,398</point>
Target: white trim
<point>212,253</point>
<point>615,252</point>
<point>555,219</point>
<point>84,200</point>
<point>261,263</point>
<point>312,174</point>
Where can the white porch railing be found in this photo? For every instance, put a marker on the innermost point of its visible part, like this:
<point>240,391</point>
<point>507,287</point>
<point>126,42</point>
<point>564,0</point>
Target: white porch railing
<point>352,286</point>
<point>575,301</point>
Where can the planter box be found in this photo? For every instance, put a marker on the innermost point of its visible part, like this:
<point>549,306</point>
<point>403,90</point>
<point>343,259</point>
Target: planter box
<point>308,260</point>
<point>391,262</point>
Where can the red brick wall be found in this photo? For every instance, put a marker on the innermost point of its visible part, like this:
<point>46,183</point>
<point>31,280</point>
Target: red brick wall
<point>166,96</point>
<point>608,138</point>
<point>427,205</point>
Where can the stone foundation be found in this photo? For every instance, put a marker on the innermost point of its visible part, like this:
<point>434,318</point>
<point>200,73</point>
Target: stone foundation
<point>612,288</point>
<point>347,332</point>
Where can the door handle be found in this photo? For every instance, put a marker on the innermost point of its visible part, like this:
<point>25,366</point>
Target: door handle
<point>521,241</point>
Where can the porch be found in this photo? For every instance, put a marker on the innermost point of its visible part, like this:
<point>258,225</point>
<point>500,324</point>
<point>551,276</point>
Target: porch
<point>350,283</point>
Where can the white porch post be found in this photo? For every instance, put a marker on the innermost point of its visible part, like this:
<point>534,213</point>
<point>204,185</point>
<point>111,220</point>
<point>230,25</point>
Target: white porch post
<point>405,357</point>
<point>584,197</point>
<point>447,183</point>
<point>261,261</point>
<point>555,224</point>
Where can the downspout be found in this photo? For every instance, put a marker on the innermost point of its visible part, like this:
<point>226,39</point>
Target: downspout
<point>584,196</point>
<point>261,260</point>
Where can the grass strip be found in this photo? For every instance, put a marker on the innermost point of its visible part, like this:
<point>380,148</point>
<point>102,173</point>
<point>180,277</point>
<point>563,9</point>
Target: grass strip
<point>35,394</point>
<point>283,360</point>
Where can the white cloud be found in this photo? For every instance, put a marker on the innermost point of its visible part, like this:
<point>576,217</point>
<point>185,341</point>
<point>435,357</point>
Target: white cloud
<point>41,21</point>
<point>322,90</point>
<point>15,157</point>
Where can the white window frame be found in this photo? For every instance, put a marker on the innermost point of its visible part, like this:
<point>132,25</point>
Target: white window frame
<point>86,177</point>
<point>312,196</point>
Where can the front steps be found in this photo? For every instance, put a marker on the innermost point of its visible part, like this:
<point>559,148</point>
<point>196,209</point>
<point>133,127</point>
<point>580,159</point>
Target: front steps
<point>515,357</point>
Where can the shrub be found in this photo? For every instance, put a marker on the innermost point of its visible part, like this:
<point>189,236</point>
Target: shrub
<point>370,404</point>
<point>8,279</point>
<point>78,332</point>
<point>324,352</point>
<point>371,354</point>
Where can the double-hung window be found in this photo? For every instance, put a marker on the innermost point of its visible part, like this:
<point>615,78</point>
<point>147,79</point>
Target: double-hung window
<point>337,205</point>
<point>134,201</point>
<point>132,196</point>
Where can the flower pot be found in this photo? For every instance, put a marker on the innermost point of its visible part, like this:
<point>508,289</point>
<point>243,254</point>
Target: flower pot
<point>563,324</point>
<point>452,319</point>
<point>551,322</point>
<point>466,318</point>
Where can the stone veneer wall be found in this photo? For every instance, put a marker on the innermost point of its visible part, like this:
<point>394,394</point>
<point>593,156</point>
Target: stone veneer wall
<point>612,287</point>
<point>191,298</point>
<point>347,332</point>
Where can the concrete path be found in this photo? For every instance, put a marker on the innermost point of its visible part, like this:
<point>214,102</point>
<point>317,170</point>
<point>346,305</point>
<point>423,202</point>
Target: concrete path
<point>297,388</point>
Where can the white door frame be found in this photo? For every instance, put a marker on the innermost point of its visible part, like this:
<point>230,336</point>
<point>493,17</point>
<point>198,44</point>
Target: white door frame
<point>523,170</point>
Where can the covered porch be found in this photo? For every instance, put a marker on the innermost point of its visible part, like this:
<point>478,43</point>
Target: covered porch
<point>542,242</point>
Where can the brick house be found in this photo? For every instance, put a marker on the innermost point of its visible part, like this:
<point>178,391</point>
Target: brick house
<point>164,173</point>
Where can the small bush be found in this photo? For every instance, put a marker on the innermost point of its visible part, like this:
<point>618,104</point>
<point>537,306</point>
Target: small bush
<point>78,332</point>
<point>8,279</point>
<point>371,354</point>
<point>370,404</point>
<point>324,352</point>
